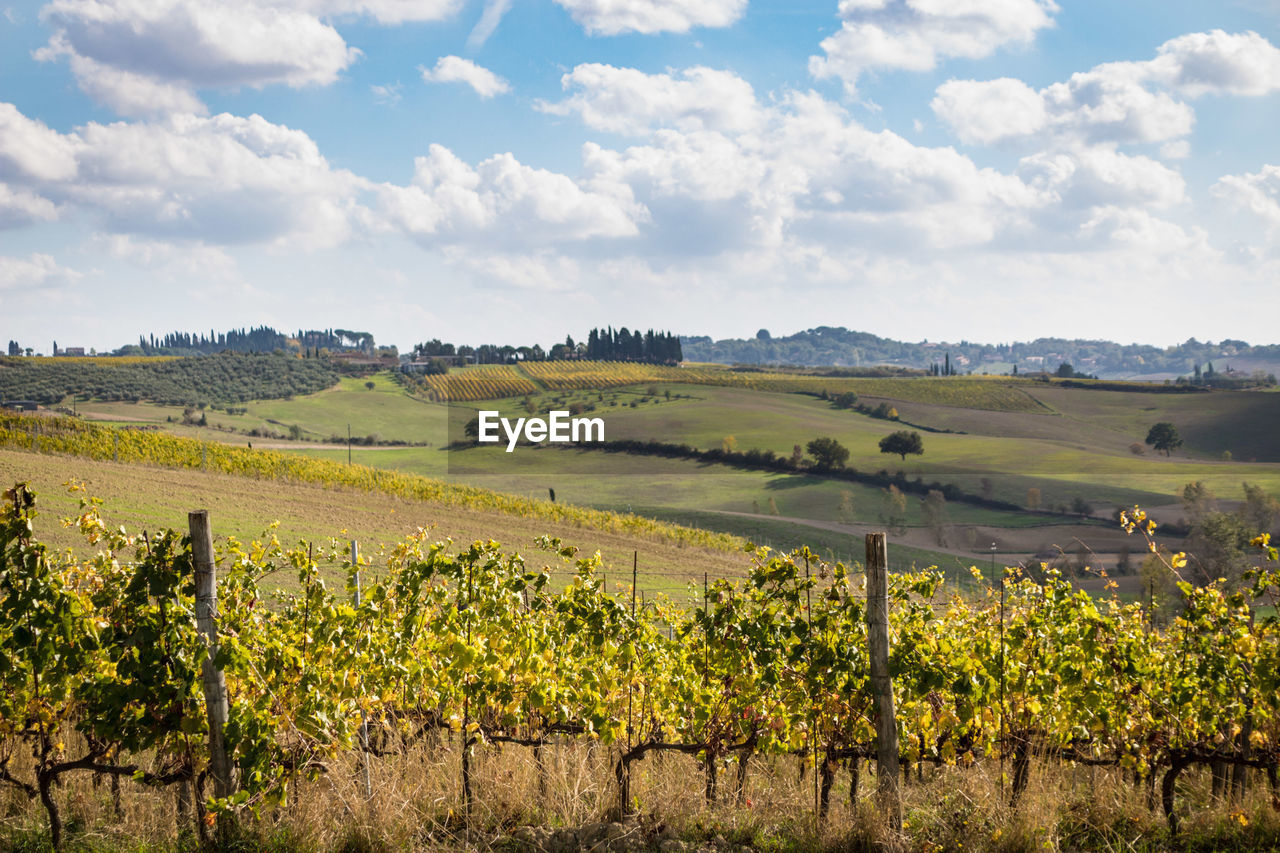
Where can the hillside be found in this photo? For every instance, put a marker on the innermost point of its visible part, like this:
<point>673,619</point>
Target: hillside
<point>828,346</point>
<point>149,497</point>
<point>222,378</point>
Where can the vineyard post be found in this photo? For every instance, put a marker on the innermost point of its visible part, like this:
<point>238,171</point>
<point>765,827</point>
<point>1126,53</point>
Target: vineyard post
<point>706,680</point>
<point>204,456</point>
<point>881,683</point>
<point>213,679</point>
<point>625,792</point>
<point>115,449</point>
<point>1002,579</point>
<point>813,720</point>
<point>466,717</point>
<point>364,721</point>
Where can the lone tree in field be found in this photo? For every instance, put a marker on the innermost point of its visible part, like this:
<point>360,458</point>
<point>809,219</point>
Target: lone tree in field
<point>828,453</point>
<point>1164,436</point>
<point>902,442</point>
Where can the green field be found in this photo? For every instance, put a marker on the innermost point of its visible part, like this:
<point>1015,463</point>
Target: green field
<point>1071,444</point>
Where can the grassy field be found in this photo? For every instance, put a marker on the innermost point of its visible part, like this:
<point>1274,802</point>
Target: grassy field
<point>385,411</point>
<point>151,498</point>
<point>1069,444</point>
<point>1064,455</point>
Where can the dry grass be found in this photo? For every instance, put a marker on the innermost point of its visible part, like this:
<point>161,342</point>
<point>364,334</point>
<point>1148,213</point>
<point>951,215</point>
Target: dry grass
<point>417,805</point>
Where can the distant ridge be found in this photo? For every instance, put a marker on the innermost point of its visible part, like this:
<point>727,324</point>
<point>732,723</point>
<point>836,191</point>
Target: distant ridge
<point>835,346</point>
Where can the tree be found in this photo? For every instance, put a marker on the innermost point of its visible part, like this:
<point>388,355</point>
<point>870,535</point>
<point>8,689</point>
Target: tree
<point>729,443</point>
<point>846,506</point>
<point>1197,501</point>
<point>370,385</point>
<point>847,400</point>
<point>902,442</point>
<point>828,453</point>
<point>893,508</point>
<point>1033,499</point>
<point>935,515</point>
<point>1164,436</point>
<point>1260,509</point>
<point>1065,371</point>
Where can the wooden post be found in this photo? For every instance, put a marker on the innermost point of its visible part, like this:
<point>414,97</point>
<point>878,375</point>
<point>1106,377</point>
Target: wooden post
<point>624,793</point>
<point>213,679</point>
<point>364,721</point>
<point>881,683</point>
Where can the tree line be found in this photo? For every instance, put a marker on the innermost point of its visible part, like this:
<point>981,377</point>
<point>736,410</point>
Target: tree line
<point>623,345</point>
<point>605,344</point>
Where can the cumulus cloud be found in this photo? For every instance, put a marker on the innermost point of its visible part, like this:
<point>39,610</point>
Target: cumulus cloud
<point>1256,193</point>
<point>915,35</point>
<point>1103,177</point>
<point>224,179</point>
<point>1117,102</point>
<point>625,100</point>
<point>450,201</point>
<point>23,207</point>
<point>34,272</point>
<point>455,69</point>
<point>1219,63</point>
<point>611,17</point>
<point>131,53</point>
<point>30,150</point>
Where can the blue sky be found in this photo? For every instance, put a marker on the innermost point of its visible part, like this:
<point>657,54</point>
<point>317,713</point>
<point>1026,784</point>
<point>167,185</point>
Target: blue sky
<point>515,170</point>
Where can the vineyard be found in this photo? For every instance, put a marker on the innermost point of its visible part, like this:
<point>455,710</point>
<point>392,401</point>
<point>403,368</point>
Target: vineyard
<point>580,375</point>
<point>483,382</point>
<point>80,438</point>
<point>492,382</point>
<point>105,660</point>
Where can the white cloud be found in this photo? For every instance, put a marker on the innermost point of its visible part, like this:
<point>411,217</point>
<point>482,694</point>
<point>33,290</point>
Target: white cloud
<point>624,100</point>
<point>915,35</point>
<point>502,203</point>
<point>1256,193</point>
<point>34,272</point>
<point>989,111</point>
<point>1116,102</point>
<point>382,11</point>
<point>23,207</point>
<point>611,17</point>
<point>1145,234</point>
<point>1218,62</point>
<point>172,260</point>
<point>388,95</point>
<point>1097,176</point>
<point>132,94</point>
<point>494,10</point>
<point>455,69</point>
<point>543,271</point>
<point>31,150</point>
<point>222,179</point>
<point>125,52</point>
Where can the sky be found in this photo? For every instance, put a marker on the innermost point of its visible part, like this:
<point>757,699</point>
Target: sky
<point>512,171</point>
